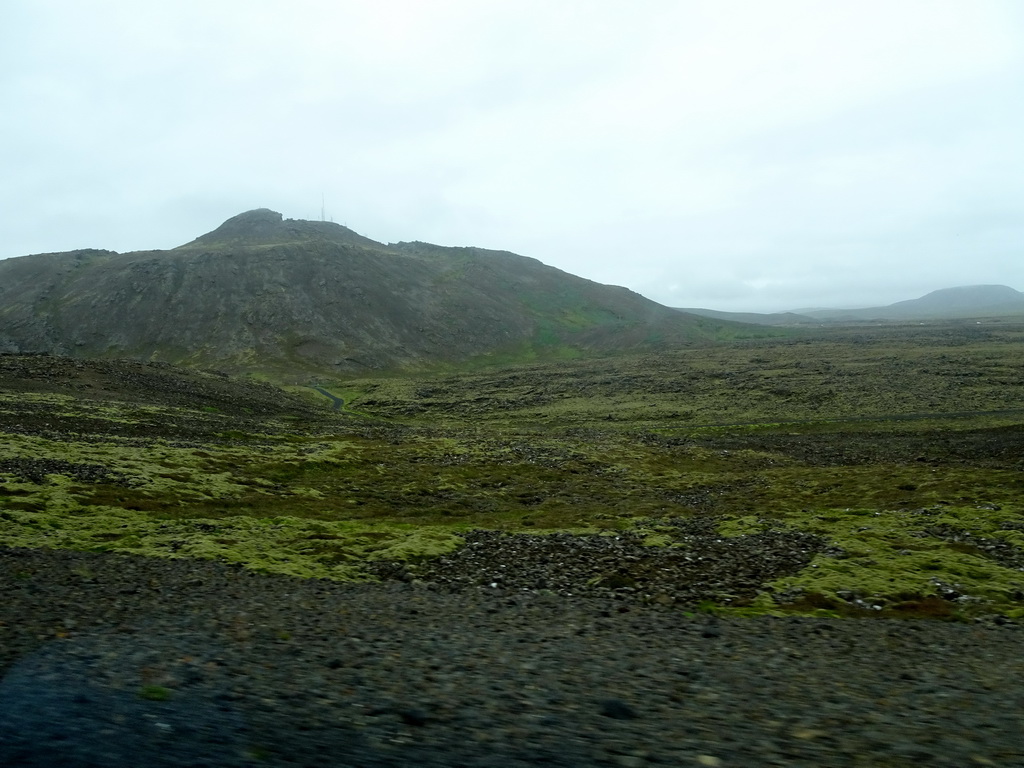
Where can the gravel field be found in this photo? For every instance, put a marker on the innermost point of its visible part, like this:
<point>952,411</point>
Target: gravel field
<point>112,660</point>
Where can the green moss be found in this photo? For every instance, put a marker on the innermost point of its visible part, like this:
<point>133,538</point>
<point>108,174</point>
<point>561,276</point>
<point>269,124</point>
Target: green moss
<point>274,545</point>
<point>154,693</point>
<point>887,558</point>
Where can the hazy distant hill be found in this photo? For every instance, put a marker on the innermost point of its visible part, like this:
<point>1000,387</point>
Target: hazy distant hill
<point>962,302</point>
<point>262,292</point>
<point>755,318</point>
<point>948,303</point>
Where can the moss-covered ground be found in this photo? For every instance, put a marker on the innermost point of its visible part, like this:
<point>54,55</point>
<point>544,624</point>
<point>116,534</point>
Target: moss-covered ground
<point>902,447</point>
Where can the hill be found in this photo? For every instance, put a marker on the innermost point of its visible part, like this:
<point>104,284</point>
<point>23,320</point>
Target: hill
<point>752,318</point>
<point>948,303</point>
<point>264,293</point>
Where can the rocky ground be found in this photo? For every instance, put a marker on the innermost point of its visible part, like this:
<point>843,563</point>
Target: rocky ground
<point>702,566</point>
<point>111,660</point>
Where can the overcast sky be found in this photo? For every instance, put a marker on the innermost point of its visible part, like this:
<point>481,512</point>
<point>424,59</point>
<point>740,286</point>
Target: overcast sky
<point>734,154</point>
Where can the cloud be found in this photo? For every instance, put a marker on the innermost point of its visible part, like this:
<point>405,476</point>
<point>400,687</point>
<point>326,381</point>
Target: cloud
<point>769,151</point>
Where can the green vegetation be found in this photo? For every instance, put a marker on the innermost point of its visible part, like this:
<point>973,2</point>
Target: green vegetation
<point>154,693</point>
<point>902,448</point>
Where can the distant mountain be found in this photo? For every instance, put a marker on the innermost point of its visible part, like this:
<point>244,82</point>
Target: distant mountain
<point>265,293</point>
<point>948,303</point>
<point>753,318</point>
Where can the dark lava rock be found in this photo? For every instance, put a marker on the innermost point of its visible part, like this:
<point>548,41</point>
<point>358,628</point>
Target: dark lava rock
<point>617,709</point>
<point>700,566</point>
<point>413,716</point>
<point>35,471</point>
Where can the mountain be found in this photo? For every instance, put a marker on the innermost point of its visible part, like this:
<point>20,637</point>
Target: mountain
<point>262,292</point>
<point>948,303</point>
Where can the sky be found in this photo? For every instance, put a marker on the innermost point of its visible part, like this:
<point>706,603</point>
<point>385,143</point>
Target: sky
<point>742,155</point>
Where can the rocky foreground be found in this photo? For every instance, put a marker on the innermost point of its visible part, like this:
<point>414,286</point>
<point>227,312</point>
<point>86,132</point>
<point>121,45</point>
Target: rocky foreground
<point>111,660</point>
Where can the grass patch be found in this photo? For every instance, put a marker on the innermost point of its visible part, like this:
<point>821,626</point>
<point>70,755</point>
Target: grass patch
<point>154,693</point>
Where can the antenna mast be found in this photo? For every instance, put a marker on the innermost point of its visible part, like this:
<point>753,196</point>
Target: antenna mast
<point>322,209</point>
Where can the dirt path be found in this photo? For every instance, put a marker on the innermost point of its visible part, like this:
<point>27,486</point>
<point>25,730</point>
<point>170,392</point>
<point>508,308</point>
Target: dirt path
<point>337,402</point>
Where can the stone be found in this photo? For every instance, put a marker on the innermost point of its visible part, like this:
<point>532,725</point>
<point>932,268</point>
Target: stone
<point>413,716</point>
<point>617,709</point>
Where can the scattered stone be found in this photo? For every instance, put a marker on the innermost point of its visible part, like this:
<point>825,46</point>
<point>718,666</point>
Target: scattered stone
<point>807,733</point>
<point>711,630</point>
<point>36,470</point>
<point>630,761</point>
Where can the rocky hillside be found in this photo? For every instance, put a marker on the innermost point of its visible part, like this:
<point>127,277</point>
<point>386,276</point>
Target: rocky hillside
<point>63,398</point>
<point>150,384</point>
<point>265,293</point>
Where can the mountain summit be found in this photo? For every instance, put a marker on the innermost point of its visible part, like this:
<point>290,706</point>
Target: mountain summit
<point>261,292</point>
<point>263,226</point>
